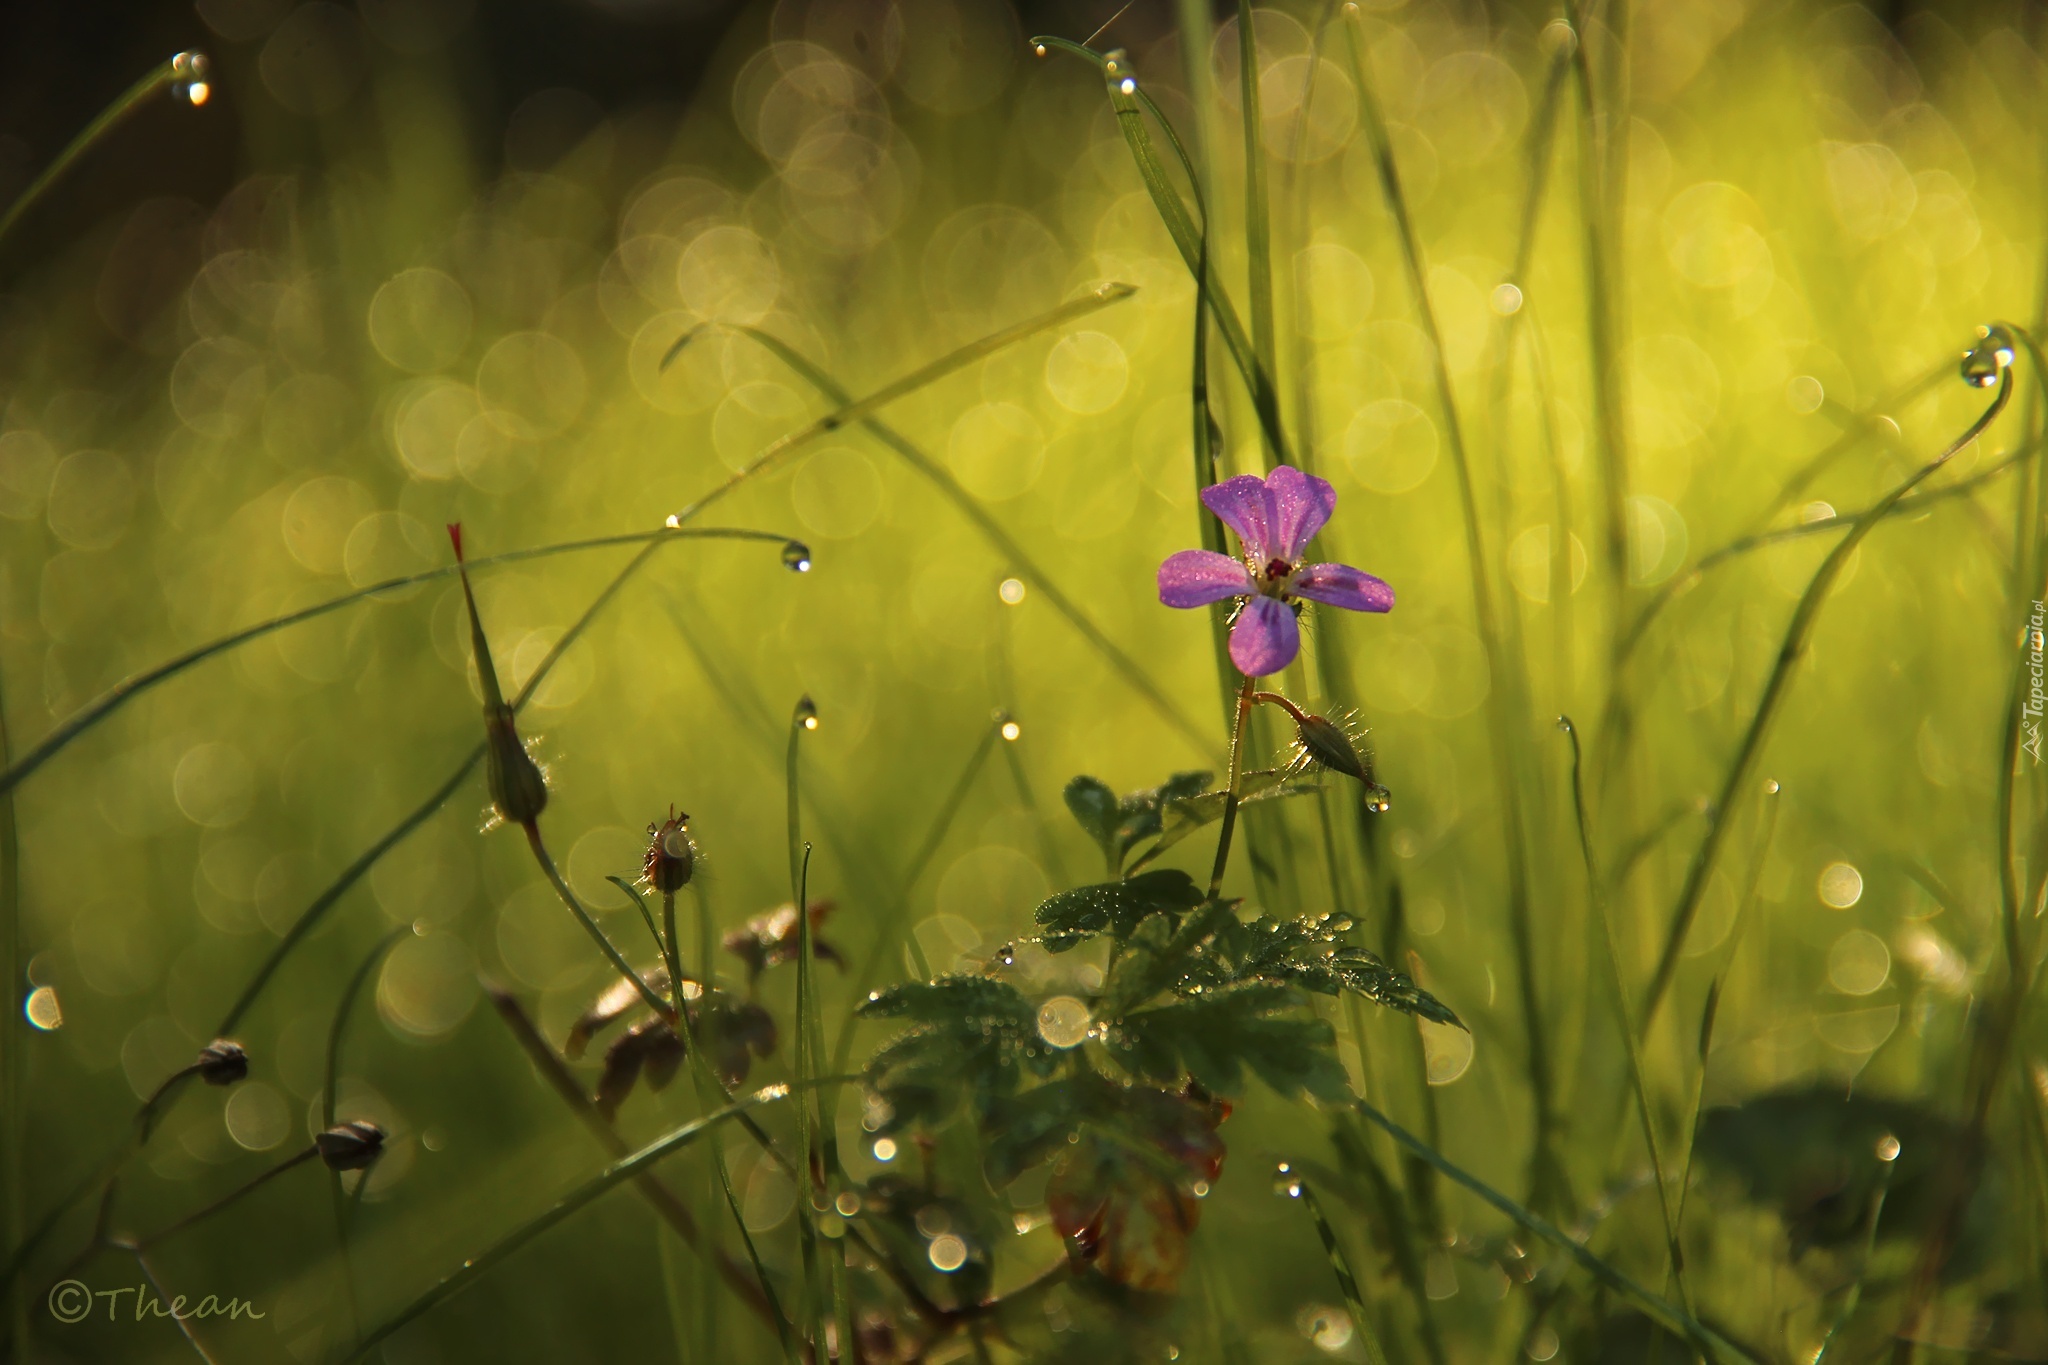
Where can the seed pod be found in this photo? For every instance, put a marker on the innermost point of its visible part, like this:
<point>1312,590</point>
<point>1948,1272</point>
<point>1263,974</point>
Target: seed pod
<point>1324,743</point>
<point>222,1062</point>
<point>350,1146</point>
<point>671,857</point>
<point>518,788</point>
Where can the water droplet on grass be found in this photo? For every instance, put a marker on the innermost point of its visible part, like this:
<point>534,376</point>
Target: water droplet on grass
<point>796,557</point>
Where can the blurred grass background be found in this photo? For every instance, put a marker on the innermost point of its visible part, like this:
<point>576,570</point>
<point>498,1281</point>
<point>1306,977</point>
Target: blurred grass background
<point>438,285</point>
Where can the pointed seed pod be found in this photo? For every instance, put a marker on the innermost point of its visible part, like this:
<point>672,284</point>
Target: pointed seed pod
<point>671,857</point>
<point>1326,745</point>
<point>518,788</point>
<point>222,1062</point>
<point>350,1146</point>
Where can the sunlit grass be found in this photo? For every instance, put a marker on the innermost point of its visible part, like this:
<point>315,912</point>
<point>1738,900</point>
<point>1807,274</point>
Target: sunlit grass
<point>1622,401</point>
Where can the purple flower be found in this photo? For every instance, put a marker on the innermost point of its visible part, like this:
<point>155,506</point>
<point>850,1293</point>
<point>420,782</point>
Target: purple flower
<point>1275,518</point>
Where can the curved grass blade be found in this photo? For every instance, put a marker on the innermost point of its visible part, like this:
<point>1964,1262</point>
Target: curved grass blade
<point>1131,105</point>
<point>1019,559</point>
<point>1596,892</point>
<point>1710,1342</point>
<point>624,1169</point>
<point>1502,703</point>
<point>1750,750</point>
<point>1258,221</point>
<point>1340,1266</point>
<point>335,1032</point>
<point>117,696</point>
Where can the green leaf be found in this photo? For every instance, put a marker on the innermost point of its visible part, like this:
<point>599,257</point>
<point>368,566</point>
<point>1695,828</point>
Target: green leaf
<point>1217,1036</point>
<point>1094,806</point>
<point>1310,952</point>
<point>1184,812</point>
<point>972,1038</point>
<point>1115,907</point>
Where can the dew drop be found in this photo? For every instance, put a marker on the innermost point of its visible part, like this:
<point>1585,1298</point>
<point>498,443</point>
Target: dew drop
<point>796,556</point>
<point>1039,49</point>
<point>1129,86</point>
<point>1507,299</point>
<point>1887,1148</point>
<point>947,1253</point>
<point>1985,362</point>
<point>674,522</point>
<point>1011,591</point>
<point>848,1203</point>
<point>807,713</point>
<point>1011,730</point>
<point>885,1149</point>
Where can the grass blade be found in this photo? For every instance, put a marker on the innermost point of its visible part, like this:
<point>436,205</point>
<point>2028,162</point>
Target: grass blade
<point>624,1169</point>
<point>1710,1342</point>
<point>1340,1266</point>
<point>1750,749</point>
<point>1014,553</point>
<point>1258,223</point>
<point>1502,702</point>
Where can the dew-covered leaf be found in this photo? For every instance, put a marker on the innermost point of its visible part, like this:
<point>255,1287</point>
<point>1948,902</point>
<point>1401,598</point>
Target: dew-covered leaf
<point>973,1038</point>
<point>1114,907</point>
<point>1094,807</point>
<point>1184,812</point>
<point>1217,1036</point>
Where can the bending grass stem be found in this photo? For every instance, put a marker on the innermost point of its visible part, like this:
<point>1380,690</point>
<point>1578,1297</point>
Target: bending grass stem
<point>1797,633</point>
<point>97,710</point>
<point>651,996</point>
<point>1710,1342</point>
<point>1347,1279</point>
<point>1597,894</point>
<point>1005,544</point>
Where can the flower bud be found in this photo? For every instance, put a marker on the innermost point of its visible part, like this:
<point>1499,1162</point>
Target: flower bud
<point>350,1146</point>
<point>671,857</point>
<point>518,788</point>
<point>222,1062</point>
<point>1324,743</point>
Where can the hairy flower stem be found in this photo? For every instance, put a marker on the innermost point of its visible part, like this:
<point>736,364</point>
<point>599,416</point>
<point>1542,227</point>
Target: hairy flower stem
<point>1244,711</point>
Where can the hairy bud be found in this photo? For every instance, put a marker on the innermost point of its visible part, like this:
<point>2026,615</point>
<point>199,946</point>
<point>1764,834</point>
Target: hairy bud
<point>222,1062</point>
<point>671,857</point>
<point>1324,743</point>
<point>350,1146</point>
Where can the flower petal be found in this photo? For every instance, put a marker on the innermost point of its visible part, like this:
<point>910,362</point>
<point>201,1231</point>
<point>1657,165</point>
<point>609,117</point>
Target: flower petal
<point>1246,507</point>
<point>1340,585</point>
<point>1265,638</point>
<point>1302,504</point>
<point>1195,578</point>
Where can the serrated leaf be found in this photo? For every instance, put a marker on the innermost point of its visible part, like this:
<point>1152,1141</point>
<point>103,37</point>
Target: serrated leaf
<point>1183,813</point>
<point>1220,1035</point>
<point>972,1037</point>
<point>1311,953</point>
<point>1114,907</point>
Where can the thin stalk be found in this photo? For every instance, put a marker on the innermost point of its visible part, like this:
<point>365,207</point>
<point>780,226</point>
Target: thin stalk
<point>1258,224</point>
<point>1855,1296</point>
<point>1710,1342</point>
<point>1006,545</point>
<point>802,720</point>
<point>658,1195</point>
<point>1502,699</point>
<point>13,1118</point>
<point>1347,1281</point>
<point>154,82</point>
<point>1597,894</point>
<point>620,1171</point>
<point>651,996</point>
<point>1244,710</point>
<point>1750,751</point>
<point>207,1211</point>
<point>328,1089</point>
<point>1131,105</point>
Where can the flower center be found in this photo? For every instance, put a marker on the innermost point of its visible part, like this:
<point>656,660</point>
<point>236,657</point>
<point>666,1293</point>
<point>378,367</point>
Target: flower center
<point>1276,574</point>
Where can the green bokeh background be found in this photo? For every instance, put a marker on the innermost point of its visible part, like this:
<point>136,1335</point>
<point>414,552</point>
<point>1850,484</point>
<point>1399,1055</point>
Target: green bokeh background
<point>218,412</point>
